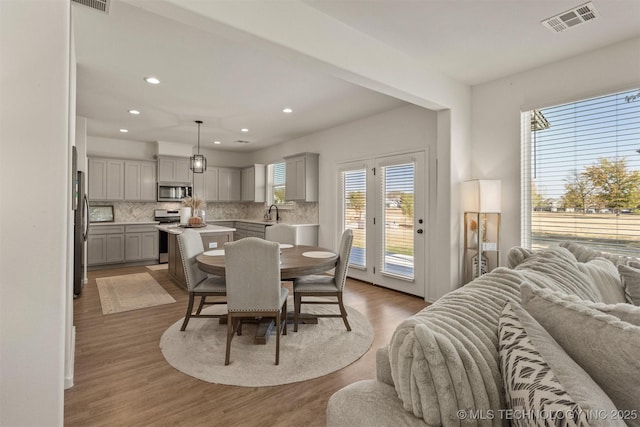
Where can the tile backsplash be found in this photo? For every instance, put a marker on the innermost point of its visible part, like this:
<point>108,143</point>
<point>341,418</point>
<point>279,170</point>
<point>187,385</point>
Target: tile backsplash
<point>301,213</point>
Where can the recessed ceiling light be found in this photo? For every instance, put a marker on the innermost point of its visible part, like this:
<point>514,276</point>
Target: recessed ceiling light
<point>152,80</point>
<point>287,110</point>
<point>134,112</point>
<point>244,130</point>
<point>217,142</point>
<point>124,130</point>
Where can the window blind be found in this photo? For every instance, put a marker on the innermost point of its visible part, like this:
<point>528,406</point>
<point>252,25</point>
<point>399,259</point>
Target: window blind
<point>397,189</point>
<point>278,178</point>
<point>584,162</point>
<point>354,199</point>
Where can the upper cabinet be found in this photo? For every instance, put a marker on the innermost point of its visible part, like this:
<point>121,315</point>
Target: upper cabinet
<point>302,177</point>
<point>253,184</point>
<point>139,180</point>
<point>205,185</point>
<point>174,170</point>
<point>229,183</point>
<point>106,179</point>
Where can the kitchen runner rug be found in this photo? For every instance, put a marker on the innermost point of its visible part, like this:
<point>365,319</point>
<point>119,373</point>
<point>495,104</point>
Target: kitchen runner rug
<point>313,351</point>
<point>130,292</point>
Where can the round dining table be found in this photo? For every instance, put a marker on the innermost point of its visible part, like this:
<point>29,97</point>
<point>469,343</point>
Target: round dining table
<point>295,261</point>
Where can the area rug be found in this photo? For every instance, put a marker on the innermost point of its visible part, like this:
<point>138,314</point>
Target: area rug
<point>130,292</point>
<point>313,351</point>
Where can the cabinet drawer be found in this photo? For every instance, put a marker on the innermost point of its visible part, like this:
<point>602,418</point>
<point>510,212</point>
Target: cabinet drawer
<point>106,229</point>
<point>140,228</point>
<point>256,228</point>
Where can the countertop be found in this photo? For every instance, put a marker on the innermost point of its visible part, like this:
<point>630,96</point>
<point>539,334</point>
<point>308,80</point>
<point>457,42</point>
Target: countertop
<point>176,229</point>
<point>259,221</point>
<point>125,223</point>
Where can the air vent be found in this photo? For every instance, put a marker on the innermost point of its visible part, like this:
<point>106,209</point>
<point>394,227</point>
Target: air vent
<point>240,141</point>
<point>571,18</point>
<point>99,5</point>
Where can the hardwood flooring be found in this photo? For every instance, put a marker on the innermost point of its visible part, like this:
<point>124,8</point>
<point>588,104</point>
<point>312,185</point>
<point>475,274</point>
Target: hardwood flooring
<point>122,379</point>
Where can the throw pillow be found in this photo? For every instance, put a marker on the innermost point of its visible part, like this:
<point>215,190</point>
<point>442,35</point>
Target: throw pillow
<point>631,281</point>
<point>606,278</point>
<point>517,255</point>
<point>541,381</point>
<point>603,345</point>
<point>626,312</point>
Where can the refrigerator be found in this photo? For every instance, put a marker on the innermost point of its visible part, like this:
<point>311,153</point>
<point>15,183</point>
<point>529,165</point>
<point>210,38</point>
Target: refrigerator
<point>80,206</point>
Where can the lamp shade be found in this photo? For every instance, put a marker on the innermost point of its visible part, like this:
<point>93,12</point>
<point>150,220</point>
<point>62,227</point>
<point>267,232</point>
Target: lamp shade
<point>482,195</point>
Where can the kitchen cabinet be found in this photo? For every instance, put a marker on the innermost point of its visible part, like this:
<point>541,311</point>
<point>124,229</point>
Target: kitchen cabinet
<point>139,181</point>
<point>229,184</point>
<point>254,184</point>
<point>106,179</point>
<point>248,229</point>
<point>174,170</point>
<point>141,242</point>
<point>205,185</point>
<point>301,177</point>
<point>105,245</point>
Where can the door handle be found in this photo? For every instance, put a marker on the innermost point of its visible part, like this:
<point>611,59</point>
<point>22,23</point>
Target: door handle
<point>419,231</point>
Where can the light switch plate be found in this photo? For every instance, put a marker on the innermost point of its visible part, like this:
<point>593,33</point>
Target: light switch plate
<point>213,245</point>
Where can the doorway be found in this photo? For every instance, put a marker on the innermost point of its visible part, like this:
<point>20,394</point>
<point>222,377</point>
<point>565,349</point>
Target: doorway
<point>383,201</point>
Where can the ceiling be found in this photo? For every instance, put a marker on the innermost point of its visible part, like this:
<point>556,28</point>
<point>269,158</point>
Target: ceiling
<point>230,84</point>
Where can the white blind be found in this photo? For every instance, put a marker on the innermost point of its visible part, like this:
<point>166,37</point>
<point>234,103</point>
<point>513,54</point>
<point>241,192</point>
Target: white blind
<point>354,199</point>
<point>397,189</point>
<point>585,173</point>
<point>278,178</point>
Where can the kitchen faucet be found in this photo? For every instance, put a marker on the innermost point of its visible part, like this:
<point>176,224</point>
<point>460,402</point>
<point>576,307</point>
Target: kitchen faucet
<point>277,212</point>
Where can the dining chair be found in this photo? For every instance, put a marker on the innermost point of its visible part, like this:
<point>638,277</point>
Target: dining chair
<point>325,286</point>
<point>199,283</point>
<point>281,233</point>
<point>252,268</point>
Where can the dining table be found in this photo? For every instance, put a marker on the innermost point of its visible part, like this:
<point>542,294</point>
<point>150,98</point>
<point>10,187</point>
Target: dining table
<point>295,261</point>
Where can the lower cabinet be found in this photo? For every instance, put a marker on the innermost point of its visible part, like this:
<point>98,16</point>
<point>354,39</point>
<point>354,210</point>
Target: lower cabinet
<point>113,244</point>
<point>248,229</point>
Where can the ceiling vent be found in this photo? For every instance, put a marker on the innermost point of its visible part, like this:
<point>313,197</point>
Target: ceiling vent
<point>571,18</point>
<point>99,5</point>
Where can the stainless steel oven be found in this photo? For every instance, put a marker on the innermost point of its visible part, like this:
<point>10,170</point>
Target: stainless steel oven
<point>165,216</point>
<point>173,193</point>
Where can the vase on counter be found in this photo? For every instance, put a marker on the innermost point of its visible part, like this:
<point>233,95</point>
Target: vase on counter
<point>185,214</point>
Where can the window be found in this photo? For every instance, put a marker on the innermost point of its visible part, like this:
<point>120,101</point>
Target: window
<point>276,183</point>
<point>353,186</point>
<point>581,174</point>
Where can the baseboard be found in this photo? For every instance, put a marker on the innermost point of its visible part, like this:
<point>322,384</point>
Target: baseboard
<point>70,362</point>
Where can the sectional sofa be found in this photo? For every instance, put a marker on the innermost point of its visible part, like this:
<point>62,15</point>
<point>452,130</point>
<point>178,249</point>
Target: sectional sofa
<point>554,338</point>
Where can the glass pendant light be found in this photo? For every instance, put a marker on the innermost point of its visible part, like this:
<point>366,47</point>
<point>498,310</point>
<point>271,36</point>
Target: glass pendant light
<point>198,161</point>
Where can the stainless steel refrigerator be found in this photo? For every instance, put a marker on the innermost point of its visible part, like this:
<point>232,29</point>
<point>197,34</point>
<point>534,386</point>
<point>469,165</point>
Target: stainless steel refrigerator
<point>80,205</point>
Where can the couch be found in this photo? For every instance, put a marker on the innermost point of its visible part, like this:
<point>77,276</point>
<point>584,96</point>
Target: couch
<point>454,362</point>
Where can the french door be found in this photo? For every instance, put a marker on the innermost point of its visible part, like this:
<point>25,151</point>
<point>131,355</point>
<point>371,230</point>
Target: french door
<point>383,202</point>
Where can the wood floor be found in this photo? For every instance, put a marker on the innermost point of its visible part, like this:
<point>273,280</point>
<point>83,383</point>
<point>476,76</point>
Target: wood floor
<point>122,379</point>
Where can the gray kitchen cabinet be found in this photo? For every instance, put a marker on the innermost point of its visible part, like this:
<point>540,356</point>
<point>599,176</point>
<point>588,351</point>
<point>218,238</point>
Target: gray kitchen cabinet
<point>105,244</point>
<point>248,229</point>
<point>254,184</point>
<point>174,170</point>
<point>106,179</point>
<point>229,184</point>
<point>139,180</point>
<point>205,185</point>
<point>301,179</point>
<point>141,242</point>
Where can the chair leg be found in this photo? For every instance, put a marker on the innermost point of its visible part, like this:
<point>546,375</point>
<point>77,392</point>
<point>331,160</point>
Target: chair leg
<point>189,309</point>
<point>230,333</point>
<point>296,310</point>
<point>343,312</point>
<point>278,339</point>
<point>284,310</point>
<point>202,300</point>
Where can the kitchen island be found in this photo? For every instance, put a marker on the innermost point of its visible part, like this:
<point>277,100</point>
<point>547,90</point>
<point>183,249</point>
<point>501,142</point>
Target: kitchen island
<point>213,237</point>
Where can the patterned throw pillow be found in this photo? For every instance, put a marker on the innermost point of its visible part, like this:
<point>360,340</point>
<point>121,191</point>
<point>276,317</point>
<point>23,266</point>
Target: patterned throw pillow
<point>543,385</point>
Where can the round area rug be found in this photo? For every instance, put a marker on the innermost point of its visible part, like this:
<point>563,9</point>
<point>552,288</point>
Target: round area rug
<point>313,351</point>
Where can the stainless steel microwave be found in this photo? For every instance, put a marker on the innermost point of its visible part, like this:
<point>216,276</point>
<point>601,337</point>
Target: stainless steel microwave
<point>173,193</point>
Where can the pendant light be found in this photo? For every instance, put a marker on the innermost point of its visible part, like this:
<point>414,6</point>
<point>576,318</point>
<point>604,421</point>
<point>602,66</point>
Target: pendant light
<point>198,161</point>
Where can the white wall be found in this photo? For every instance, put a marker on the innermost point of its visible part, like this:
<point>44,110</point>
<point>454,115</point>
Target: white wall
<point>496,108</point>
<point>34,210</point>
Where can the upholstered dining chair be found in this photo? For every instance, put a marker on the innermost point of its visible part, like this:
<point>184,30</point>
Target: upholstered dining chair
<point>325,286</point>
<point>252,269</point>
<point>281,233</point>
<point>199,283</point>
